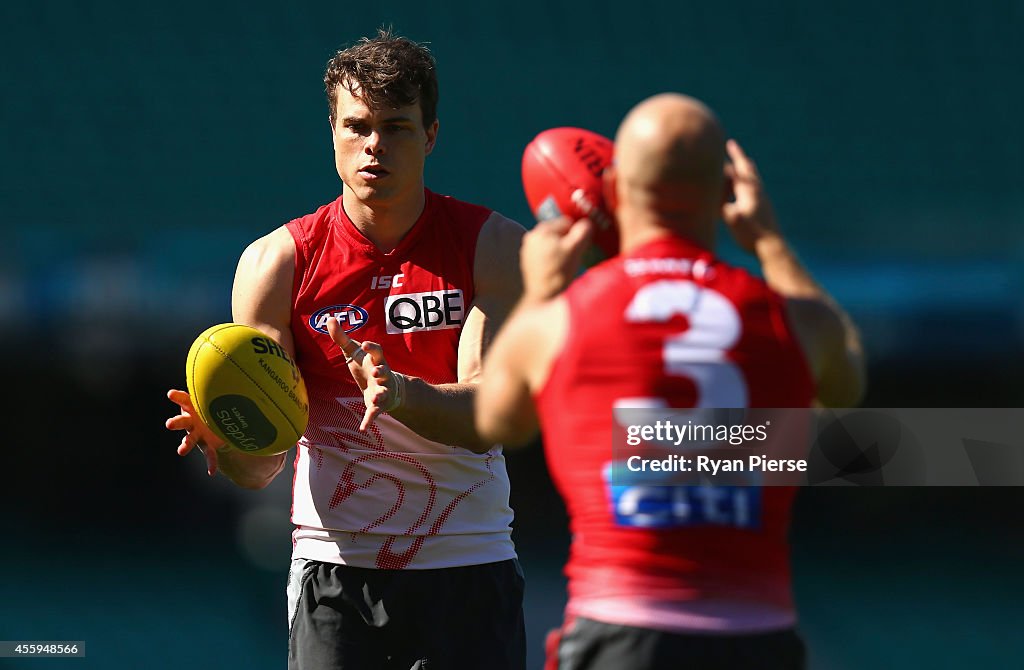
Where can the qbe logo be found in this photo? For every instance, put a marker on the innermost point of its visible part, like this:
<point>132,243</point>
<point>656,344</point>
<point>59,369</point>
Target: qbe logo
<point>433,310</point>
<point>352,317</point>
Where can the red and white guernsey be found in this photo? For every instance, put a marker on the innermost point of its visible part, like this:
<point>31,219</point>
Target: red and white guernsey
<point>669,325</point>
<point>388,498</point>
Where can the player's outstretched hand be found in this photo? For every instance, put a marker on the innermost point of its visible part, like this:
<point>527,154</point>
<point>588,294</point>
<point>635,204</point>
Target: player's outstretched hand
<point>370,370</point>
<point>197,434</point>
<point>750,216</point>
<point>550,256</point>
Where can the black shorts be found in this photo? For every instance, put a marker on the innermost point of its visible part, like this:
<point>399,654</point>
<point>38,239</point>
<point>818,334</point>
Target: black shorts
<point>592,645</point>
<point>445,619</point>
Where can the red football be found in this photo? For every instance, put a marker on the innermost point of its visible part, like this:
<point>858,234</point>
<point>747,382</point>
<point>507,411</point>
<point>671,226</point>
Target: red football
<point>562,170</point>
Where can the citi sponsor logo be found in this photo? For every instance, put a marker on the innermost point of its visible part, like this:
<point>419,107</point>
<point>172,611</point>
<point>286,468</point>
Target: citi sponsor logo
<point>432,310</point>
<point>352,317</point>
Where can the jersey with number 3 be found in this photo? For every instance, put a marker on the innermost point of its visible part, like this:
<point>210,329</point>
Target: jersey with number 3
<point>669,325</point>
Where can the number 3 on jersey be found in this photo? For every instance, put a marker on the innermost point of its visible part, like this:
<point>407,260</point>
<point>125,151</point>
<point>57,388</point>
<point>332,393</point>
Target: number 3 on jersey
<point>698,354</point>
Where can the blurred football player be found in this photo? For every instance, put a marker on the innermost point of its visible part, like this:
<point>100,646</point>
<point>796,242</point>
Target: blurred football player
<point>667,324</point>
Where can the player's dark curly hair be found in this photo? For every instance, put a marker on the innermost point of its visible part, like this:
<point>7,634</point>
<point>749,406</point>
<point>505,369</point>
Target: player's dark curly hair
<point>386,71</point>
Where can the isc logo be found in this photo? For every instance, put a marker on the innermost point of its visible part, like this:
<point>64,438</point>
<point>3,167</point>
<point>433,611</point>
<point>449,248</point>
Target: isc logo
<point>387,281</point>
<point>352,317</point>
<point>433,310</point>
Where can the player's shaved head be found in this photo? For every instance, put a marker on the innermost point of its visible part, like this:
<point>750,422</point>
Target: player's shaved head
<point>670,138</point>
<point>669,159</point>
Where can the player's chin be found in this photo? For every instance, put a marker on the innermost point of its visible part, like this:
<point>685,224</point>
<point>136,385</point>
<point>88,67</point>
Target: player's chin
<point>367,191</point>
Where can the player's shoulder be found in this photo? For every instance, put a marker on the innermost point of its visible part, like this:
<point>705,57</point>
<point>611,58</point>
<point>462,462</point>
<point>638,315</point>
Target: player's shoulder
<point>314,225</point>
<point>273,249</point>
<point>723,270</point>
<point>472,218</point>
<point>308,232</point>
<point>606,277</point>
<point>739,284</point>
<point>501,234</point>
<point>459,211</point>
<point>496,256</point>
<point>492,238</point>
<point>604,288</point>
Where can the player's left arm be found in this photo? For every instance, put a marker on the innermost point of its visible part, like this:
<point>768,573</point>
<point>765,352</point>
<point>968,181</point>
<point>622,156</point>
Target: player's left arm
<point>444,412</point>
<point>828,336</point>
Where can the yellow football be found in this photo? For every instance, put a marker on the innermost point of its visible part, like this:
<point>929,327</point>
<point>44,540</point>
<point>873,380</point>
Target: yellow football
<point>247,389</point>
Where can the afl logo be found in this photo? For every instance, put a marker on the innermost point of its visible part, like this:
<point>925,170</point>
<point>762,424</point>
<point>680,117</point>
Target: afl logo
<point>351,317</point>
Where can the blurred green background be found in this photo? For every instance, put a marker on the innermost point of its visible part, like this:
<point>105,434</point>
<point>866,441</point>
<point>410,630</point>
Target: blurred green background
<point>144,145</point>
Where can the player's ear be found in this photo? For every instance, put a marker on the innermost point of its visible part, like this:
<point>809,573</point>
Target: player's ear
<point>609,180</point>
<point>432,135</point>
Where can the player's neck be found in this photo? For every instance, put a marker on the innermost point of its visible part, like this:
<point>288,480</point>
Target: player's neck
<point>384,223</point>
<point>645,227</point>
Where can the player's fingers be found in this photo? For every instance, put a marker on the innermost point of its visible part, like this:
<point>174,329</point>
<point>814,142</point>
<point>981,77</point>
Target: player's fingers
<point>179,422</point>
<point>347,345</point>
<point>380,397</point>
<point>581,235</point>
<point>578,235</point>
<point>188,443</point>
<point>374,351</point>
<point>736,153</point>
<point>352,349</point>
<point>729,185</point>
<point>368,417</point>
<point>337,333</point>
<point>745,190</point>
<point>730,171</point>
<point>555,227</point>
<point>211,460</point>
<point>562,225</point>
<point>745,167</point>
<point>355,359</point>
<point>181,399</point>
<point>730,213</point>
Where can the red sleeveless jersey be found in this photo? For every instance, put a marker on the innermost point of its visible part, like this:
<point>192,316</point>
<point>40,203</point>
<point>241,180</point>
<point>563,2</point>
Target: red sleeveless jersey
<point>670,325</point>
<point>389,498</point>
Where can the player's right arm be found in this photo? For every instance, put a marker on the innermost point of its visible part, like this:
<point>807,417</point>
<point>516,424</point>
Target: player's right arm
<point>261,298</point>
<point>827,334</point>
